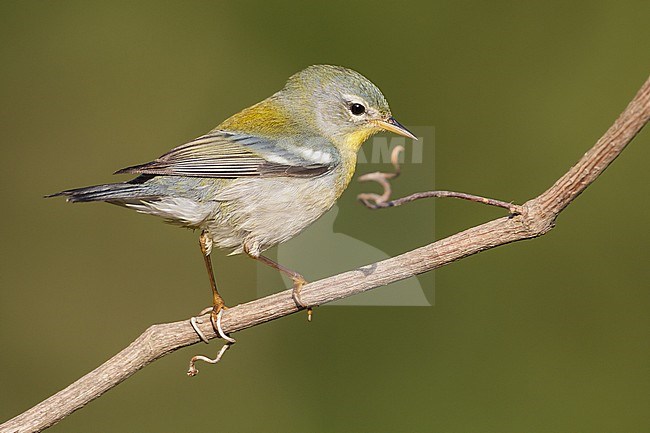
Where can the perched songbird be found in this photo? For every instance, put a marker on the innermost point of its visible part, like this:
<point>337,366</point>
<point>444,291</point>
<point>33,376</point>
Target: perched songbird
<point>264,174</point>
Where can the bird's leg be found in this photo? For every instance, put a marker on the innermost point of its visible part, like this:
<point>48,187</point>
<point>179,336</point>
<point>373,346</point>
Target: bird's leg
<point>298,281</point>
<point>217,301</point>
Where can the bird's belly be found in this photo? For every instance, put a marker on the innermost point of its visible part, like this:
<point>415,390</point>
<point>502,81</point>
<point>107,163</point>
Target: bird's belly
<point>255,214</point>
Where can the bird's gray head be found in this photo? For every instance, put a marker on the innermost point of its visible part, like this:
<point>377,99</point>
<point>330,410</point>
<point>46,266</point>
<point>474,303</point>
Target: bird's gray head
<point>340,103</point>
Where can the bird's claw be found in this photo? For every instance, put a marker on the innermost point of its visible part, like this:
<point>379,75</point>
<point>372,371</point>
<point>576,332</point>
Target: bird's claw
<point>295,294</point>
<point>215,318</point>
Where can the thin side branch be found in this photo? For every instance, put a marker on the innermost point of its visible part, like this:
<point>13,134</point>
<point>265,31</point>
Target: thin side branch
<point>512,208</point>
<point>376,201</point>
<point>537,217</point>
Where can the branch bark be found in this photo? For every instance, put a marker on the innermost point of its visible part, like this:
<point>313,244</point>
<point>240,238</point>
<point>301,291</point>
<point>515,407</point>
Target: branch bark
<point>537,217</point>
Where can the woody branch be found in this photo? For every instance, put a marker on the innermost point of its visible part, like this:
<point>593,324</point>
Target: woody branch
<point>534,218</point>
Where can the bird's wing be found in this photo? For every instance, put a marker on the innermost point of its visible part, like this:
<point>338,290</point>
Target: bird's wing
<point>223,154</point>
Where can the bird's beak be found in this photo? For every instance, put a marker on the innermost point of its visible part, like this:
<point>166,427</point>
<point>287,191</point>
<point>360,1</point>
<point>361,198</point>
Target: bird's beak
<point>393,125</point>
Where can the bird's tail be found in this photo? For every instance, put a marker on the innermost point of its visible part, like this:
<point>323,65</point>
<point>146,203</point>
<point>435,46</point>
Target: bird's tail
<point>117,193</point>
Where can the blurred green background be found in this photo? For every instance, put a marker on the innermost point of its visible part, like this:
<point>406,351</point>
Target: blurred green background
<point>550,335</point>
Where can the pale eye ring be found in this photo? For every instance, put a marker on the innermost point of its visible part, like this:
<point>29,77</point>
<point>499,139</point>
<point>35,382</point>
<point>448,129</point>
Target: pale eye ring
<point>357,109</point>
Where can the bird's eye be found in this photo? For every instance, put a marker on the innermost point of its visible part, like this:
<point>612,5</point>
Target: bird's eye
<point>357,109</point>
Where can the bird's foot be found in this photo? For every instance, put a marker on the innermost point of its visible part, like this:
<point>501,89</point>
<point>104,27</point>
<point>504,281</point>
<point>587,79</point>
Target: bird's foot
<point>216,323</point>
<point>215,318</point>
<point>297,287</point>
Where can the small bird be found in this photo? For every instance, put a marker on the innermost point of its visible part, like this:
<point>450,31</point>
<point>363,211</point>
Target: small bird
<point>264,174</point>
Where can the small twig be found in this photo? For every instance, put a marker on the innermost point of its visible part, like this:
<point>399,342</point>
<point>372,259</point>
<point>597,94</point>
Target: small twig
<point>382,179</point>
<point>193,371</point>
<point>377,201</point>
<point>195,325</point>
<point>514,209</point>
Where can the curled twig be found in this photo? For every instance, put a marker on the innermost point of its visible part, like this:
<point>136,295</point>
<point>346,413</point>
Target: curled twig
<point>382,179</point>
<point>377,201</point>
<point>193,371</point>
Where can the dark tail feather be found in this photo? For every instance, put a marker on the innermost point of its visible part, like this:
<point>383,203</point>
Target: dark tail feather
<point>111,192</point>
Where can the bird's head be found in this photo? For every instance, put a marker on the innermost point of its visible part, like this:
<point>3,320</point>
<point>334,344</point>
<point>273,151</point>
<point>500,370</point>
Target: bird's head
<point>341,104</point>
